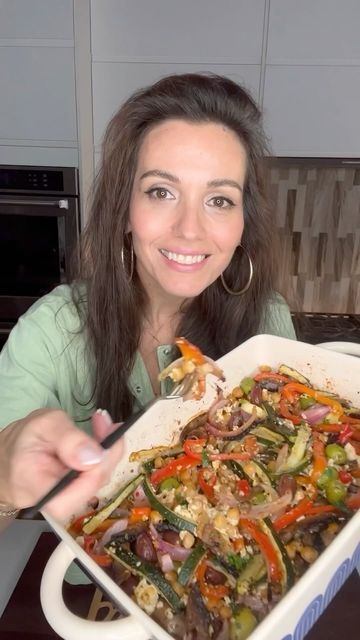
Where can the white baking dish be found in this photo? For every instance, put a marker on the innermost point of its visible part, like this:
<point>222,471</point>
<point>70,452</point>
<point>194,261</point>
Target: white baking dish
<point>292,618</point>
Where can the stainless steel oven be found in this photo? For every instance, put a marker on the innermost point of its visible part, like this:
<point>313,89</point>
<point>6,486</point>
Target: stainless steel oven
<point>39,228</point>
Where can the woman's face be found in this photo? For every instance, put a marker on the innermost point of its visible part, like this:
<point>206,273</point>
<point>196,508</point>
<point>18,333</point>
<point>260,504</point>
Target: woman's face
<point>186,208</point>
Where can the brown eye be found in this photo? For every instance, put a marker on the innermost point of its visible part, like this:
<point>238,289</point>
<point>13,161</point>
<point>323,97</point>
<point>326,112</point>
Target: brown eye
<point>220,202</point>
<point>161,193</point>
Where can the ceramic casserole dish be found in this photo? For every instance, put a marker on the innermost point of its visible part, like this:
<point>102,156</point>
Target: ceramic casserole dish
<point>294,615</point>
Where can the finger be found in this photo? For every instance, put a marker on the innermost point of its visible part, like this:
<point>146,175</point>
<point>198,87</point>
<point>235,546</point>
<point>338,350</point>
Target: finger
<point>74,498</point>
<point>102,424</point>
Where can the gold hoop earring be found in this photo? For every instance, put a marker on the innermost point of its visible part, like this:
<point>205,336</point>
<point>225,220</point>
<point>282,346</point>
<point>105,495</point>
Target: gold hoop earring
<point>246,287</point>
<point>132,260</point>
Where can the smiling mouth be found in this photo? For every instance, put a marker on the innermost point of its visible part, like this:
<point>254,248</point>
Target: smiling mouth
<point>182,258</point>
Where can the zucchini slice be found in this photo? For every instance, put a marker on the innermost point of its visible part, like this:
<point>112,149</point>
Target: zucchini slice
<point>146,570</point>
<point>178,521</point>
<point>267,434</point>
<point>293,373</point>
<point>192,561</point>
<point>95,521</point>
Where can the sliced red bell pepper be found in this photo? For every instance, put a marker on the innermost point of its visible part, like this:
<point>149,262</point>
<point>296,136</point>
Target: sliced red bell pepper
<point>77,524</point>
<point>344,476</point>
<point>345,434</point>
<point>243,486</point>
<point>271,375</point>
<point>266,548</point>
<point>213,591</point>
<point>293,514</point>
<point>285,411</point>
<point>172,468</point>
<point>207,480</point>
<point>102,559</point>
<point>195,455</point>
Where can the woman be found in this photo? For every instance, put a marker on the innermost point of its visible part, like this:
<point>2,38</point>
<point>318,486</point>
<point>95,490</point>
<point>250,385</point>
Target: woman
<point>180,241</point>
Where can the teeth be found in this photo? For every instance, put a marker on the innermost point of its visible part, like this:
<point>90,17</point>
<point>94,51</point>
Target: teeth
<point>181,258</point>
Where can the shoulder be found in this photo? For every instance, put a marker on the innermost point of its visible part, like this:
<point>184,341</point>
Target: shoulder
<point>53,312</point>
<point>276,318</point>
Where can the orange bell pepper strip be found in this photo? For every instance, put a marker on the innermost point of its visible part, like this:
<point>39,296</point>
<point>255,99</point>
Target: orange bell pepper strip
<point>297,387</point>
<point>189,351</point>
<point>350,420</point>
<point>319,458</point>
<point>139,514</point>
<point>293,514</point>
<point>172,468</point>
<point>266,548</point>
<point>213,591</point>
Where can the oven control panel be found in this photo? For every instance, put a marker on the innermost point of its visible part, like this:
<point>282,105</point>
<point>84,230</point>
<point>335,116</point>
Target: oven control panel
<point>31,179</point>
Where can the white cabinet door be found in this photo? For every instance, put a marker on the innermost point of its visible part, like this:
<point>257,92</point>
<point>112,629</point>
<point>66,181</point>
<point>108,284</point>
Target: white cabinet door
<point>38,94</point>
<point>181,31</point>
<point>46,19</point>
<point>113,83</point>
<point>313,110</point>
<point>314,32</point>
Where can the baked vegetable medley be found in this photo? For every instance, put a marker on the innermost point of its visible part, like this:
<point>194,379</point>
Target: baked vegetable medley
<point>215,529</point>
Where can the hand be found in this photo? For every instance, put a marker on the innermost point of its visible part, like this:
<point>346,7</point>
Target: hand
<point>36,452</point>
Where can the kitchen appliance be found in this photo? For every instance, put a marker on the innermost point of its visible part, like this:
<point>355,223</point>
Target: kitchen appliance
<point>294,615</point>
<point>39,228</point>
<point>327,327</point>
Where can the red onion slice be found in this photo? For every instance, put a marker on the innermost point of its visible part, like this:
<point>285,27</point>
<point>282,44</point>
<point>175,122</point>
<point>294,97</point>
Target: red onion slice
<point>175,551</point>
<point>315,413</point>
<point>117,527</point>
<point>233,432</point>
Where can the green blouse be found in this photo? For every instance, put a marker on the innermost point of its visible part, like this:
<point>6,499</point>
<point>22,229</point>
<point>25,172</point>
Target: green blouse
<point>45,362</point>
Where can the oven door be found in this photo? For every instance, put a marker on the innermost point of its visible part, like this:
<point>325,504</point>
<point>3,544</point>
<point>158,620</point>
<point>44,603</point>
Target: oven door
<point>38,235</point>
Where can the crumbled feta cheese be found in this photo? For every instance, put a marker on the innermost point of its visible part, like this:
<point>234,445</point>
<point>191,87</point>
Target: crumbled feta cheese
<point>146,596</point>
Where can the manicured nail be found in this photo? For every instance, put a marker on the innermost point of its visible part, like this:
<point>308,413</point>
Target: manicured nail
<point>90,455</point>
<point>106,415</point>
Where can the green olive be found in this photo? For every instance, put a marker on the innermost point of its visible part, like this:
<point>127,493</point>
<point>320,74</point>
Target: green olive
<point>169,483</point>
<point>336,453</point>
<point>242,624</point>
<point>330,473</point>
<point>335,491</point>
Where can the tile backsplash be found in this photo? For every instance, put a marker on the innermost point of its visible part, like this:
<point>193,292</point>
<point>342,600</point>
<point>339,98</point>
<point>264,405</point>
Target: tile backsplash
<point>317,204</point>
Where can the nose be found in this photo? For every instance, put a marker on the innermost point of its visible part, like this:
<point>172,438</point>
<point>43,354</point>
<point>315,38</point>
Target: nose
<point>189,222</point>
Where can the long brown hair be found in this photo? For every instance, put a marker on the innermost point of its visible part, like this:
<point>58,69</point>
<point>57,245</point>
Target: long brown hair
<point>115,303</point>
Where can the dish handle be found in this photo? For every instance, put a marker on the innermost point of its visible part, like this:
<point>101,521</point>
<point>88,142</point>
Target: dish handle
<point>68,625</point>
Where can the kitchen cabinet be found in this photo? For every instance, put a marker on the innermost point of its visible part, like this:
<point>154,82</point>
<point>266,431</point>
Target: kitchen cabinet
<point>313,110</point>
<point>312,78</point>
<point>135,44</point>
<point>37,77</point>
<point>314,32</point>
<point>113,83</point>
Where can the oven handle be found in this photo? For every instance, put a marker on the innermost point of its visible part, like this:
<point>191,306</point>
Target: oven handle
<point>61,204</point>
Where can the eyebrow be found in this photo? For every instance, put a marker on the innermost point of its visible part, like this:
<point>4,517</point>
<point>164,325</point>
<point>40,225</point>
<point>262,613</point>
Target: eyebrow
<point>219,182</point>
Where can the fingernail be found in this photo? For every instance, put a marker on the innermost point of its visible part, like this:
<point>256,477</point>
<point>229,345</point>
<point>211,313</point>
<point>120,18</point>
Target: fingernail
<point>106,415</point>
<point>90,455</point>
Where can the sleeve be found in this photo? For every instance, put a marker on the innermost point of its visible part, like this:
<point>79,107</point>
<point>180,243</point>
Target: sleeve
<point>277,319</point>
<point>28,376</point>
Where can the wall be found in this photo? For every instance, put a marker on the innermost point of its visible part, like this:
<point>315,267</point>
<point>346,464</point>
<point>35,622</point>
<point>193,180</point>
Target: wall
<point>317,207</point>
